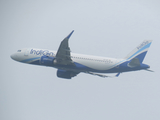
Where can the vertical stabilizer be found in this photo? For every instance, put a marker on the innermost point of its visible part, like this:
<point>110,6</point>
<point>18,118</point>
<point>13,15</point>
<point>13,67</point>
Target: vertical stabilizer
<point>140,51</point>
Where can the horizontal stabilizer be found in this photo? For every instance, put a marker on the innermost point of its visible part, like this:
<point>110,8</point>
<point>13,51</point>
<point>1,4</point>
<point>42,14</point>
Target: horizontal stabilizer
<point>134,63</point>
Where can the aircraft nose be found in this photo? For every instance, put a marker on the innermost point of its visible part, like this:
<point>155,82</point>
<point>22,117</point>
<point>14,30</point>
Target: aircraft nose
<point>14,57</point>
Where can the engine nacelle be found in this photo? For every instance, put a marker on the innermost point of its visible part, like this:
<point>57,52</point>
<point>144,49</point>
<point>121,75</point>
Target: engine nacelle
<point>66,74</point>
<point>47,60</point>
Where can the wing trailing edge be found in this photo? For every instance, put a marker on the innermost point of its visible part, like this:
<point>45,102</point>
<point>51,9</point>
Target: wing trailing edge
<point>104,76</point>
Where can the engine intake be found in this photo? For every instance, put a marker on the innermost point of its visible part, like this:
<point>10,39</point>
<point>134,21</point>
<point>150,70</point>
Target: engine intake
<point>47,61</point>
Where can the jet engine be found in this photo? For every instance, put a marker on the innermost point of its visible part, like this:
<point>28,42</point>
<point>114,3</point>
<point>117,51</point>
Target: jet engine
<point>65,74</point>
<point>47,60</point>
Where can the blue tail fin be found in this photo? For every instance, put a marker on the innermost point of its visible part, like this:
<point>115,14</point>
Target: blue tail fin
<point>140,51</point>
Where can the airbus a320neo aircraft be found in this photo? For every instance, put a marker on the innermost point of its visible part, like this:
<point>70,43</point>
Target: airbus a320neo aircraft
<point>70,64</point>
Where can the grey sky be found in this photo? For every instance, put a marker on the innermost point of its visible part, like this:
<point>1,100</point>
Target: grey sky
<point>102,27</point>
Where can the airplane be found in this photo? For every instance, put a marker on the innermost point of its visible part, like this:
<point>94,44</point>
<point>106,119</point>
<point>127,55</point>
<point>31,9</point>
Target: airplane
<point>71,64</point>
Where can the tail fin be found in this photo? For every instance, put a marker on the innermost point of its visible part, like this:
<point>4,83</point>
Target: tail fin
<point>140,51</point>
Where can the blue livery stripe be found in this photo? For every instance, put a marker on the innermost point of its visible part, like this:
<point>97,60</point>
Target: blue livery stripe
<point>70,35</point>
<point>145,47</point>
<point>31,59</point>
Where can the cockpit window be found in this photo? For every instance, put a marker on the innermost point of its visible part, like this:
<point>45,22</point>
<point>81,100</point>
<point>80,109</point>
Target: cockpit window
<point>19,51</point>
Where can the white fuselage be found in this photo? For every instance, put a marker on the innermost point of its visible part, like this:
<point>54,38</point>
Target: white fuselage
<point>94,62</point>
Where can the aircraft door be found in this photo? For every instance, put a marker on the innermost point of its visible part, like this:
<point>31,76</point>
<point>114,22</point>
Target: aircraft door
<point>26,53</point>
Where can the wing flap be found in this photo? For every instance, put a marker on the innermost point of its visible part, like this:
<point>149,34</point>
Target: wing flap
<point>104,76</point>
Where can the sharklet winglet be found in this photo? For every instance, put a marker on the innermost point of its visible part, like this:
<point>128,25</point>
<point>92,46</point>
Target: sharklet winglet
<point>70,35</point>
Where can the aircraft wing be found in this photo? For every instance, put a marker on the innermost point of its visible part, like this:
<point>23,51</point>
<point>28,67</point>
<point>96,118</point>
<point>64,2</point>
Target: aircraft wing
<point>63,54</point>
<point>100,75</point>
